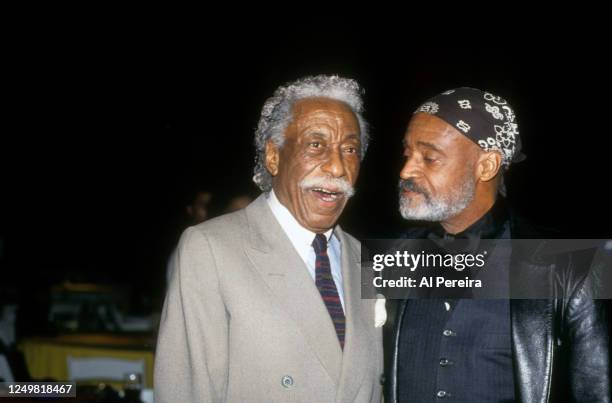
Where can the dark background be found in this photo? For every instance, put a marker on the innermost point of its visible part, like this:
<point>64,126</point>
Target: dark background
<point>106,138</point>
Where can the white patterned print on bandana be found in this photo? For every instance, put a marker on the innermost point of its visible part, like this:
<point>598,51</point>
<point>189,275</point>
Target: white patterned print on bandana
<point>428,107</point>
<point>505,134</point>
<point>464,127</point>
<point>495,99</point>
<point>494,110</point>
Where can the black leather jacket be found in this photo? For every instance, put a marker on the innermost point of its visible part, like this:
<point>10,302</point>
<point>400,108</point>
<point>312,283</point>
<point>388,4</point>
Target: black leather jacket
<point>560,347</point>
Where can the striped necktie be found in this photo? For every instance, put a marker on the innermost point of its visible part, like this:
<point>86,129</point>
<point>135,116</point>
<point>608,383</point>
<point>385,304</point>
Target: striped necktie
<point>327,287</point>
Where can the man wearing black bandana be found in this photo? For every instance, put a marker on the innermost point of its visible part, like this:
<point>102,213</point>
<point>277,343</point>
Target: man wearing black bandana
<point>457,146</point>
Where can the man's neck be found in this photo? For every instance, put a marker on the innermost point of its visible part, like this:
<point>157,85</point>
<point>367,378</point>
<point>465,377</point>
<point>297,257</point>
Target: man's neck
<point>472,213</point>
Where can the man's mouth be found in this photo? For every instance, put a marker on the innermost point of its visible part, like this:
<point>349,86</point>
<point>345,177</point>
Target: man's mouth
<point>327,195</point>
<point>413,196</point>
<point>409,189</point>
<point>411,192</point>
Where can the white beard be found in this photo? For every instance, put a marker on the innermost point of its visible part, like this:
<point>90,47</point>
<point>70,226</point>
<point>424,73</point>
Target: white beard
<point>440,208</point>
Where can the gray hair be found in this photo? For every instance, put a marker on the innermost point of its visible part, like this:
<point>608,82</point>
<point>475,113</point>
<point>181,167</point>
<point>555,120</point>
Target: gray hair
<point>276,115</point>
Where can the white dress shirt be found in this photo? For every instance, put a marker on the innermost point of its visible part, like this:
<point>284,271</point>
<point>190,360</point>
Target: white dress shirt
<point>301,239</point>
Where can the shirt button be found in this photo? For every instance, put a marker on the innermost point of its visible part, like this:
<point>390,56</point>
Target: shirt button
<point>444,362</point>
<point>442,394</point>
<point>448,333</point>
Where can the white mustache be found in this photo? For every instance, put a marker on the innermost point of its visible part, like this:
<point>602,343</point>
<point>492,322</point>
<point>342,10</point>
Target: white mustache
<point>335,184</point>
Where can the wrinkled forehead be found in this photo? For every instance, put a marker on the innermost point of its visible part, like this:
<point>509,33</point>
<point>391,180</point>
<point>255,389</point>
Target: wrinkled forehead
<point>324,111</point>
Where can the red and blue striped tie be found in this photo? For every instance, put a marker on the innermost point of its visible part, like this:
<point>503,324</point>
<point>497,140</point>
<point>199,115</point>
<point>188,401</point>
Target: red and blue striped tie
<point>327,287</point>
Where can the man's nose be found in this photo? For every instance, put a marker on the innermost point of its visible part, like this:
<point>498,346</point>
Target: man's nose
<point>411,169</point>
<point>334,165</point>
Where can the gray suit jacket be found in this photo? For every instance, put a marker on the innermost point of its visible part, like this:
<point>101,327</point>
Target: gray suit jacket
<point>243,321</point>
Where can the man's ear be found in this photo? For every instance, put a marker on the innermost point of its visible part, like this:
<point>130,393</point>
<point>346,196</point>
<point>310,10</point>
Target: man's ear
<point>272,157</point>
<point>489,165</point>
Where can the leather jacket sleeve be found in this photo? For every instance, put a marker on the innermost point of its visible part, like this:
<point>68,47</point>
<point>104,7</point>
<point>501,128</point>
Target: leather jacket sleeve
<point>587,333</point>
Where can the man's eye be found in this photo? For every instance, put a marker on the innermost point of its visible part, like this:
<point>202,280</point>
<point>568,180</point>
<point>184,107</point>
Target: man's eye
<point>350,149</point>
<point>429,160</point>
<point>314,144</point>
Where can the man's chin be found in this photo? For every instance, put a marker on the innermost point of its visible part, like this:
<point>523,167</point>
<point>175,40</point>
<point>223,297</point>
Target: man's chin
<point>410,204</point>
<point>414,211</point>
<point>321,221</point>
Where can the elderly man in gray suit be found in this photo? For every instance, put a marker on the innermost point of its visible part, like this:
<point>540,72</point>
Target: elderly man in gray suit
<point>264,304</point>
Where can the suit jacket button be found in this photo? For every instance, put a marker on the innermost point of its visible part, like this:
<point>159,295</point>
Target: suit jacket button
<point>442,394</point>
<point>287,381</point>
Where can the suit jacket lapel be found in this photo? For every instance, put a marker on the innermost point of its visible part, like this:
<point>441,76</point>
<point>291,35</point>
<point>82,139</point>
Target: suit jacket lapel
<point>357,343</point>
<point>284,272</point>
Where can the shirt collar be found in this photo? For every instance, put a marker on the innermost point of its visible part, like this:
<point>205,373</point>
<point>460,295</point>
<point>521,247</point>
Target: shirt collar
<point>489,226</point>
<point>290,225</point>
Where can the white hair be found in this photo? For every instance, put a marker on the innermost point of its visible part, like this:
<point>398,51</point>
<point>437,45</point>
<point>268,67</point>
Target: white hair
<point>276,115</point>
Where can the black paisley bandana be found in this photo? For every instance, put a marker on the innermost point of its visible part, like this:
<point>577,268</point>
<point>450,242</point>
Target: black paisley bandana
<point>486,119</point>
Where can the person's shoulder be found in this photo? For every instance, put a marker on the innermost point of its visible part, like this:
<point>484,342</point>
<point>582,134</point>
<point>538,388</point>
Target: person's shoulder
<point>222,226</point>
<point>217,236</point>
<point>547,247</point>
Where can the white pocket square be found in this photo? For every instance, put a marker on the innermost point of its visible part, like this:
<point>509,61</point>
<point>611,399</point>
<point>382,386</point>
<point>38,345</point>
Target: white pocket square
<point>380,311</point>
